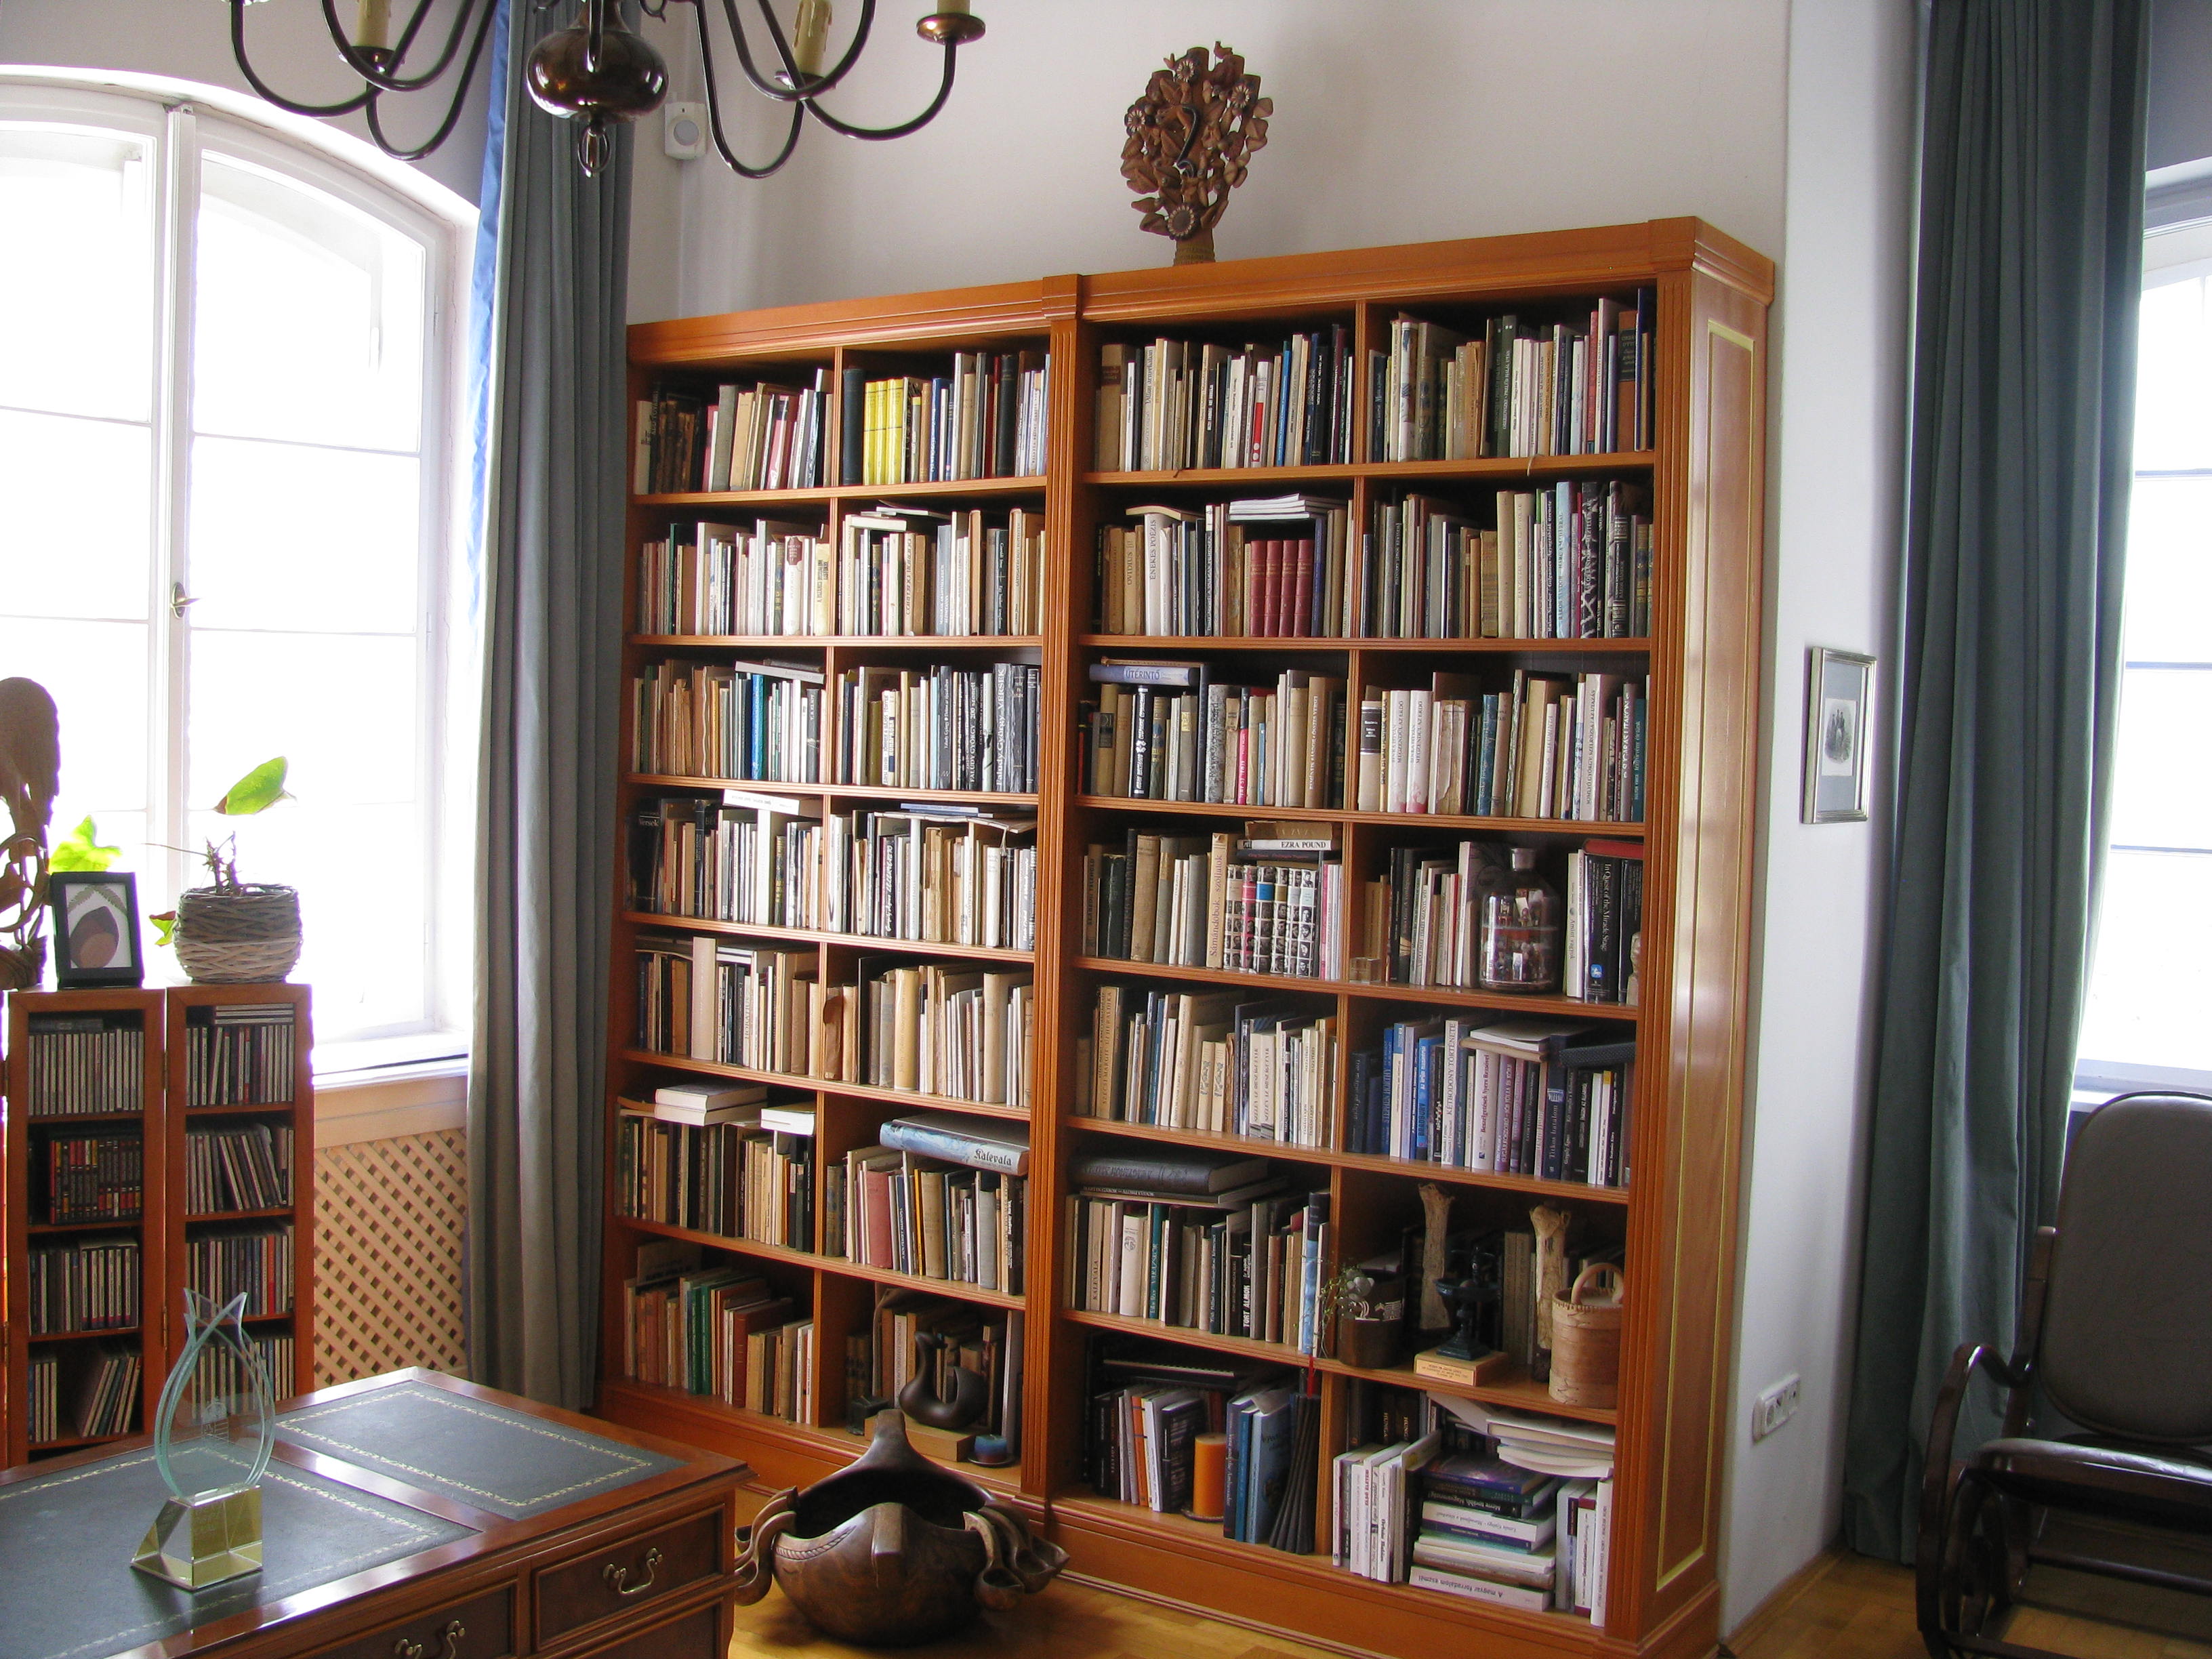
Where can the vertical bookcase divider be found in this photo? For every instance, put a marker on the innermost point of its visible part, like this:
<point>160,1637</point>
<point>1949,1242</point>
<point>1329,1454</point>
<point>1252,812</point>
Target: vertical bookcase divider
<point>1700,472</point>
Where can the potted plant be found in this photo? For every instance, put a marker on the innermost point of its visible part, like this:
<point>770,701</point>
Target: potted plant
<point>233,931</point>
<point>1370,1305</point>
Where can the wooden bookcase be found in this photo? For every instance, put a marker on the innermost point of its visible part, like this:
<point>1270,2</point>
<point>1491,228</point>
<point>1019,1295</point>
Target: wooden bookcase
<point>1705,470</point>
<point>161,1117</point>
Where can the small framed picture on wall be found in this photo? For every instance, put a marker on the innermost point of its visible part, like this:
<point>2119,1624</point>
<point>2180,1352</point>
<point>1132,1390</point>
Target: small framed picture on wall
<point>1839,691</point>
<point>95,929</point>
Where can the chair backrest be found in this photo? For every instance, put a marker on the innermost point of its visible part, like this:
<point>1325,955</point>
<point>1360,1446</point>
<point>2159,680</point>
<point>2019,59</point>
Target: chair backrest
<point>2127,1324</point>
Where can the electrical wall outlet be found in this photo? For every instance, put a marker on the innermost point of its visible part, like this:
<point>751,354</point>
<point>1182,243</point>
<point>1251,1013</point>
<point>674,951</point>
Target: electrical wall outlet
<point>1776,1406</point>
<point>683,131</point>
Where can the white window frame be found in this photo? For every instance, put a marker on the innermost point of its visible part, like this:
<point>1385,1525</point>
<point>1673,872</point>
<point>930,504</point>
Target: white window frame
<point>182,122</point>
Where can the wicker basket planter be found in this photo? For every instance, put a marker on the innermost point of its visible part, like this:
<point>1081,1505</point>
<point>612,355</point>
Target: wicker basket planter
<point>237,935</point>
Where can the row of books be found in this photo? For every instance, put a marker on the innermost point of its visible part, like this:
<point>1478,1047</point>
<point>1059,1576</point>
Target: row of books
<point>1151,1238</point>
<point>79,1064</point>
<point>1211,1061</point>
<point>934,874</point>
<point>240,1054</point>
<point>88,1284</point>
<point>1539,1098</point>
<point>1172,404</point>
<point>716,1331</point>
<point>896,572</point>
<point>252,1261</point>
<point>1569,562</point>
<point>939,727</point>
<point>248,1167</point>
<point>94,1177</point>
<point>104,1394</point>
<point>1550,746</point>
<point>751,1177</point>
<point>912,1211</point>
<point>886,1355</point>
<point>925,1028</point>
<point>1270,900</point>
<point>1259,568</point>
<point>1169,730</point>
<point>1578,385</point>
<point>222,1376</point>
<point>764,437</point>
<point>755,722</point>
<point>985,418</point>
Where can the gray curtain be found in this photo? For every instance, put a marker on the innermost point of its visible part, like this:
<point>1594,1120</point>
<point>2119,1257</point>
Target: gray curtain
<point>2030,267</point>
<point>545,830</point>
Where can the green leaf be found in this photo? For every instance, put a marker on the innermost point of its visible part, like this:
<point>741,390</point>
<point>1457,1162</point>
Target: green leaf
<point>260,789</point>
<point>164,929</point>
<point>81,851</point>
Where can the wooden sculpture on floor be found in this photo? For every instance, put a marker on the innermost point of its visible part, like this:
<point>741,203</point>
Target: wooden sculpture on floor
<point>1191,138</point>
<point>30,772</point>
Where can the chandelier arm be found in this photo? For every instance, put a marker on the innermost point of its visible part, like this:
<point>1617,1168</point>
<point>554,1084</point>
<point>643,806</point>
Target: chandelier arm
<point>391,79</point>
<point>405,43</point>
<point>453,109</point>
<point>344,106</point>
<point>797,87</point>
<point>715,115</point>
<point>944,92</point>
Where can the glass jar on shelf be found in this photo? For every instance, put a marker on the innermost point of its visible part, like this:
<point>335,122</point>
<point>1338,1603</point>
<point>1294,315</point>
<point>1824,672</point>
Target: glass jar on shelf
<point>1521,930</point>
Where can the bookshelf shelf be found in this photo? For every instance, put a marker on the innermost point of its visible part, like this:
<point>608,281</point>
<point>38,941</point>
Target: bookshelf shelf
<point>1695,474</point>
<point>868,792</point>
<point>957,1290</point>
<point>80,1336</point>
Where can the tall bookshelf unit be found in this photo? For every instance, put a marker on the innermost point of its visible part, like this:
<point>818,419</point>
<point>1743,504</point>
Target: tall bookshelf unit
<point>159,1105</point>
<point>1676,1219</point>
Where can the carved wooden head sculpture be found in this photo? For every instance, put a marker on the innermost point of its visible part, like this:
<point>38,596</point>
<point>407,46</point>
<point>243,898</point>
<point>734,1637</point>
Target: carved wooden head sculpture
<point>1191,137</point>
<point>30,772</point>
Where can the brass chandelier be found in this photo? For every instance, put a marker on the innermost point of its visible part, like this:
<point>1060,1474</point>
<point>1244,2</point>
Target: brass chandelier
<point>598,71</point>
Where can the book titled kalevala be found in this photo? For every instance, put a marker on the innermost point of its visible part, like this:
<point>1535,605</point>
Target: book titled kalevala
<point>976,1142</point>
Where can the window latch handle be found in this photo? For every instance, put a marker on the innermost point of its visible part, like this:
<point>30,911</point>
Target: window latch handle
<point>179,599</point>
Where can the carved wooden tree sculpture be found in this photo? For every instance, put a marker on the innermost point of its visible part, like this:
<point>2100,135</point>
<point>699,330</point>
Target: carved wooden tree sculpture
<point>30,772</point>
<point>1190,138</point>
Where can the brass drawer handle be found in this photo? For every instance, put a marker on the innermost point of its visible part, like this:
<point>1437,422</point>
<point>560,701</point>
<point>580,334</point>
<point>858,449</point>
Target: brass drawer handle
<point>617,1578</point>
<point>403,1649</point>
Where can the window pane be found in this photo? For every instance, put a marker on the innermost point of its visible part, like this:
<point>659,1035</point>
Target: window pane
<point>2154,969</point>
<point>2156,801</point>
<point>74,527</point>
<point>80,200</point>
<point>96,672</point>
<point>2173,417</point>
<point>289,536</point>
<point>2169,591</point>
<point>341,709</point>
<point>308,316</point>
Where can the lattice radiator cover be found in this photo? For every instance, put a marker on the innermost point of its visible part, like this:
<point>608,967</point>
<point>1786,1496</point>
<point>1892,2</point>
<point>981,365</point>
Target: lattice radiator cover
<point>389,1218</point>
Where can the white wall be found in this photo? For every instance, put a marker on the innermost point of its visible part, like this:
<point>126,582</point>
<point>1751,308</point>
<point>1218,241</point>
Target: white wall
<point>1834,517</point>
<point>289,47</point>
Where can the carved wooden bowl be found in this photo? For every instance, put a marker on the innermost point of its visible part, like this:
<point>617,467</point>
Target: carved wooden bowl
<point>893,1550</point>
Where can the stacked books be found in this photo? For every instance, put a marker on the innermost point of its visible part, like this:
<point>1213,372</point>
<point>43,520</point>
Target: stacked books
<point>1209,1240</point>
<point>740,1168</point>
<point>88,1285</point>
<point>1376,1487</point>
<point>222,1378</point>
<point>1209,1061</point>
<point>1267,901</point>
<point>239,1055</point>
<point>94,1177</point>
<point>81,1065</point>
<point>1605,921</point>
<point>706,580</point>
<point>1176,404</point>
<point>1169,730</point>
<point>1487,1530</point>
<point>940,1196</point>
<point>985,418</point>
<point>715,1331</point>
<point>248,1167</point>
<point>109,1404</point>
<point>255,1262</point>
<point>1578,385</point>
<point>907,571</point>
<point>756,1007</point>
<point>756,721</point>
<point>737,437</point>
<point>43,1396</point>
<point>939,728</point>
<point>1550,746</point>
<point>966,1034</point>
<point>1258,568</point>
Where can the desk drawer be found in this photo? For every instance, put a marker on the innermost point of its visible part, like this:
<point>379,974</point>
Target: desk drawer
<point>482,1628</point>
<point>694,1637</point>
<point>627,1574</point>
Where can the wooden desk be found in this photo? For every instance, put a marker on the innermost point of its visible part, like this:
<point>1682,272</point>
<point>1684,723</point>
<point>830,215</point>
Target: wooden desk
<point>633,1567</point>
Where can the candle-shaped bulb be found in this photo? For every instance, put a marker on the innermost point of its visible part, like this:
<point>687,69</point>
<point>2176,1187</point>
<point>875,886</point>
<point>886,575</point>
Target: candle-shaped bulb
<point>810,36</point>
<point>952,7</point>
<point>375,30</point>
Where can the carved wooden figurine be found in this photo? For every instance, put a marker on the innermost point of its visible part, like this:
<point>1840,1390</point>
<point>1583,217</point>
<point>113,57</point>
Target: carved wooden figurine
<point>30,772</point>
<point>1191,137</point>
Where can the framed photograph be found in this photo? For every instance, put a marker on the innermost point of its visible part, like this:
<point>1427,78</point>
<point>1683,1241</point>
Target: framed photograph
<point>95,929</point>
<point>1838,690</point>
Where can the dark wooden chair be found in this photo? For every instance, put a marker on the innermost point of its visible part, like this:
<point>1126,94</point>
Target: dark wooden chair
<point>2116,1334</point>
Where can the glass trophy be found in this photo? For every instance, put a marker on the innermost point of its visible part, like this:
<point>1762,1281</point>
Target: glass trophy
<point>213,1433</point>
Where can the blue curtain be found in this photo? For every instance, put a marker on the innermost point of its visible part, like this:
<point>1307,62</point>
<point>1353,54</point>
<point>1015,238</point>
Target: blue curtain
<point>2023,409</point>
<point>552,584</point>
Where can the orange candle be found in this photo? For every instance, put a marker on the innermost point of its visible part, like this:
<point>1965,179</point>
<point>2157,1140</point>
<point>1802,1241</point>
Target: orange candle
<point>1209,1480</point>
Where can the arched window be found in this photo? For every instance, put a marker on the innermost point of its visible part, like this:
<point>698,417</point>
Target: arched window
<point>229,395</point>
